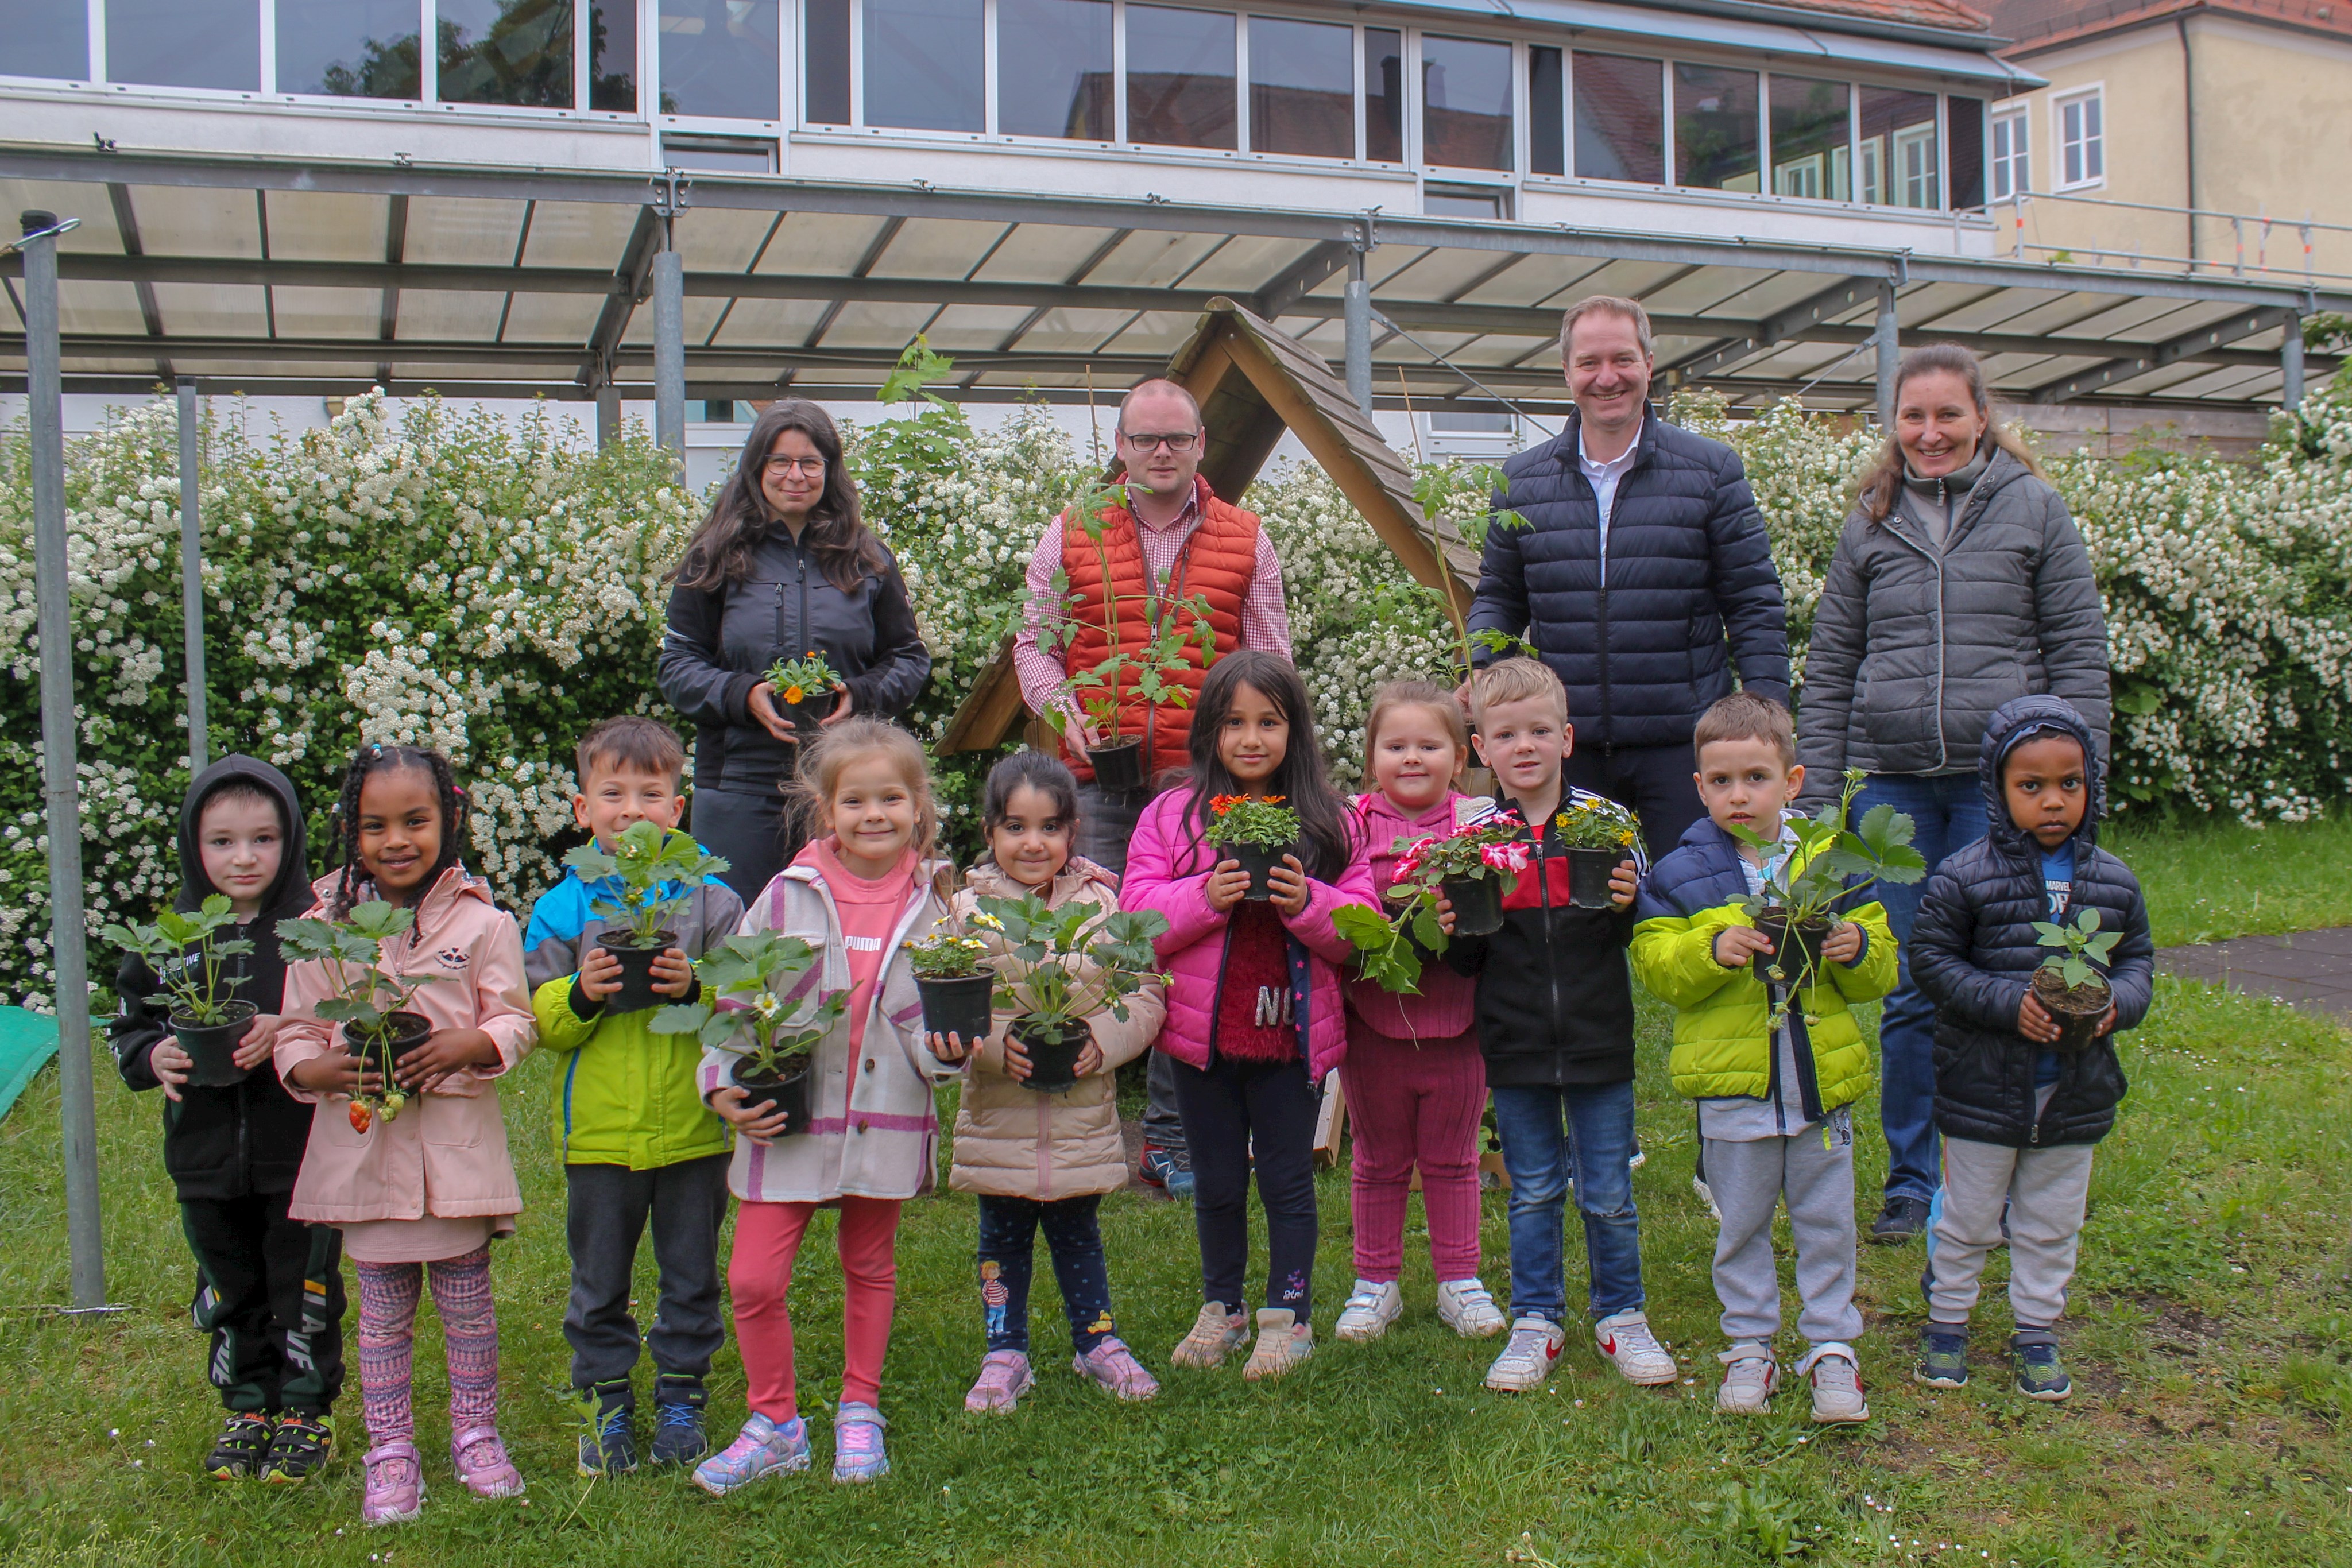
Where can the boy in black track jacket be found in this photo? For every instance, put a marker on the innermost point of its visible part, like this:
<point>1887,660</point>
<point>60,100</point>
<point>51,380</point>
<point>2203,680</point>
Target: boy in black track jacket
<point>269,1289</point>
<point>1556,1026</point>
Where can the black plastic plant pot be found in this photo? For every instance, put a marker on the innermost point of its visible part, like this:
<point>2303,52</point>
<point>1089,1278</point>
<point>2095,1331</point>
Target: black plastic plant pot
<point>2076,1011</point>
<point>1258,860</point>
<point>811,710</point>
<point>636,993</point>
<point>1118,767</point>
<point>212,1047</point>
<point>402,1033</point>
<point>1053,1053</point>
<point>1589,872</point>
<point>1477,904</point>
<point>1796,947</point>
<point>958,1006</point>
<point>788,1091</point>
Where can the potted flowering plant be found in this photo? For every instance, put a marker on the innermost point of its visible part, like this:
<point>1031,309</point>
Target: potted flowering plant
<point>746,1015</point>
<point>1600,835</point>
<point>1830,862</point>
<point>807,689</point>
<point>645,858</point>
<point>2075,995</point>
<point>1469,867</point>
<point>207,1021</point>
<point>370,1005</point>
<point>952,972</point>
<point>1059,966</point>
<point>1259,832</point>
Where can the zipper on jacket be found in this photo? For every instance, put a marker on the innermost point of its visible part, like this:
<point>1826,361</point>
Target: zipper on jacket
<point>1551,957</point>
<point>800,557</point>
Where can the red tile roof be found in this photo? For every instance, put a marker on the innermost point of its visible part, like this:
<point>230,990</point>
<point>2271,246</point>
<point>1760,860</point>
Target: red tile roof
<point>2038,24</point>
<point>1946,14</point>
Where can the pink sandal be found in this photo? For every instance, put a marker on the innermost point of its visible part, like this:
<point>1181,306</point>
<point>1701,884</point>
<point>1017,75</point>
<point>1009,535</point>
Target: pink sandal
<point>481,1462</point>
<point>1113,1367</point>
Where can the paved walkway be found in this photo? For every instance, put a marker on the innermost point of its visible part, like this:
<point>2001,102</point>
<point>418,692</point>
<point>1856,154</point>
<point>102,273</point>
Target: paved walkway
<point>2310,969</point>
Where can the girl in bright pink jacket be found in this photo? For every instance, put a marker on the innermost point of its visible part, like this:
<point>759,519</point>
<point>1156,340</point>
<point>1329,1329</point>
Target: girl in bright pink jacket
<point>1255,1017</point>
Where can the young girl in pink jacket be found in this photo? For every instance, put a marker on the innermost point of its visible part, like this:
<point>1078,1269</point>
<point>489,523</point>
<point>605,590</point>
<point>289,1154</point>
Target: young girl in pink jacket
<point>1415,1081</point>
<point>1254,1015</point>
<point>418,1196</point>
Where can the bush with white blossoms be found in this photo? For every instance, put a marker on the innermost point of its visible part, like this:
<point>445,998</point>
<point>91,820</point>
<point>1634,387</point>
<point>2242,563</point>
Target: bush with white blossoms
<point>443,578</point>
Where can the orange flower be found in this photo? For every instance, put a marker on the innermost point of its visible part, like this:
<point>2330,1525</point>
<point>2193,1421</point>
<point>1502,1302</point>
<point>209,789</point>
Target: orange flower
<point>793,694</point>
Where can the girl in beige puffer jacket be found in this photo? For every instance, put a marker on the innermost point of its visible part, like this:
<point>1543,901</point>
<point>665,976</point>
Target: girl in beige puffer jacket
<point>1039,1159</point>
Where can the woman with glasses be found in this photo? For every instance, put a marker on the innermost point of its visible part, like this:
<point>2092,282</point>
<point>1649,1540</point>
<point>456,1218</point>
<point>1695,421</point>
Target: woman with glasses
<point>783,567</point>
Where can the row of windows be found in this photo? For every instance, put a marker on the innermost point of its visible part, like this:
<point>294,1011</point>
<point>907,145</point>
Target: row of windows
<point>2080,119</point>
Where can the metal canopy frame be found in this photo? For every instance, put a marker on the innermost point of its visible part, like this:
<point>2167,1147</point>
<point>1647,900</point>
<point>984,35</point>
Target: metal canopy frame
<point>1033,294</point>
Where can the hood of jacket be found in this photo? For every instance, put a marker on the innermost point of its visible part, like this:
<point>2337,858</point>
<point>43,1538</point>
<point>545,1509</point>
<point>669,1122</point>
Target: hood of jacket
<point>2012,723</point>
<point>289,894</point>
<point>988,880</point>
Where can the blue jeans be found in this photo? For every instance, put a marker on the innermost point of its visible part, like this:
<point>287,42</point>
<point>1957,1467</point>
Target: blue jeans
<point>1545,1133</point>
<point>1949,812</point>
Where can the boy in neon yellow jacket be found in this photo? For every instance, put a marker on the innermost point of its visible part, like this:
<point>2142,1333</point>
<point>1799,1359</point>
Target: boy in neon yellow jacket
<point>1774,1074</point>
<point>637,1143</point>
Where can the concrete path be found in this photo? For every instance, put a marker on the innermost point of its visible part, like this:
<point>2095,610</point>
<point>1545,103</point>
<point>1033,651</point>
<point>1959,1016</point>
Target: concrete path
<point>2311,969</point>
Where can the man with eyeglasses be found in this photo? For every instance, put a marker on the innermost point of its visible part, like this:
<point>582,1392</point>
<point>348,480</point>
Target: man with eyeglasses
<point>1173,540</point>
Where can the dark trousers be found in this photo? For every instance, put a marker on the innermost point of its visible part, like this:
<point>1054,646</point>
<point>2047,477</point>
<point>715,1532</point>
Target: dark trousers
<point>609,1205</point>
<point>1653,781</point>
<point>1008,1241</point>
<point>269,1291</point>
<point>1106,822</point>
<point>751,829</point>
<point>1234,1112</point>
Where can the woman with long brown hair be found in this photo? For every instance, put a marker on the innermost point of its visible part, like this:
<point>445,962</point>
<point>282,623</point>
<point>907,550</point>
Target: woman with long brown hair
<point>783,567</point>
<point>1960,582</point>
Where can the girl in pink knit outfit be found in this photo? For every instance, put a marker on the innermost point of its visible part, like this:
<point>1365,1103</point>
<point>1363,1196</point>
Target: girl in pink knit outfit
<point>1415,1081</point>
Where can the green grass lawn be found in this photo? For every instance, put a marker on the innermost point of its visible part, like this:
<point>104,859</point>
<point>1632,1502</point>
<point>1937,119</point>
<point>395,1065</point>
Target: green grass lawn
<point>2210,1320</point>
<point>2222,879</point>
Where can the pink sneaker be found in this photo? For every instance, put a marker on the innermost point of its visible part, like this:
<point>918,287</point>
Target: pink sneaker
<point>1113,1367</point>
<point>395,1483</point>
<point>481,1462</point>
<point>1004,1377</point>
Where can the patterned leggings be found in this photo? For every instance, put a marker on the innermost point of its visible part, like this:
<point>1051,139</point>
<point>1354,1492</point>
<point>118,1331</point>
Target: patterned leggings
<point>469,1323</point>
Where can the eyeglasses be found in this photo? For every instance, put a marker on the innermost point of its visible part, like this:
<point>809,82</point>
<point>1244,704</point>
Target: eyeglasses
<point>1181,440</point>
<point>779,467</point>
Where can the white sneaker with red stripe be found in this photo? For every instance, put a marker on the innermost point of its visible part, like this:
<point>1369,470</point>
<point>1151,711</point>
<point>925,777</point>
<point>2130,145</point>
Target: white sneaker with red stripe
<point>1529,1357</point>
<point>1625,1338</point>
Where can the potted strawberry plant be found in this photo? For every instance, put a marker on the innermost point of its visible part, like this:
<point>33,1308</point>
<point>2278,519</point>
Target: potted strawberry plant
<point>1830,862</point>
<point>208,1023</point>
<point>1469,866</point>
<point>807,689</point>
<point>371,1006</point>
<point>952,972</point>
<point>746,1014</point>
<point>1060,967</point>
<point>657,869</point>
<point>1600,835</point>
<point>1258,831</point>
<point>2075,995</point>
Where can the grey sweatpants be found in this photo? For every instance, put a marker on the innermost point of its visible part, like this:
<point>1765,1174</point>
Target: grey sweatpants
<point>2045,1190</point>
<point>1748,1179</point>
<point>609,1207</point>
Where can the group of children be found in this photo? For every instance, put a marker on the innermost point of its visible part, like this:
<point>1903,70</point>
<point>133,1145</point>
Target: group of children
<point>1257,1006</point>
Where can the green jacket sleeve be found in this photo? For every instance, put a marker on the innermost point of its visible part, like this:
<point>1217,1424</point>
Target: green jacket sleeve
<point>1675,956</point>
<point>561,1029</point>
<point>1873,975</point>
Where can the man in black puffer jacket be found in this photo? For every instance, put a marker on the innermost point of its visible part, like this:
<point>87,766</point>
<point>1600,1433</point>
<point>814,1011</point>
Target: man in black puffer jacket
<point>2019,1118</point>
<point>1643,574</point>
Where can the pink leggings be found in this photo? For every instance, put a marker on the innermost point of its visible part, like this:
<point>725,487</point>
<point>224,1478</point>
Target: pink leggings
<point>767,1240</point>
<point>469,1330</point>
<point>1414,1104</point>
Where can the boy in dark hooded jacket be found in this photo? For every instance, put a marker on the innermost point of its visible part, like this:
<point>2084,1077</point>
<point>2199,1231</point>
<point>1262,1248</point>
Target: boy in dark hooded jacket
<point>2019,1118</point>
<point>269,1289</point>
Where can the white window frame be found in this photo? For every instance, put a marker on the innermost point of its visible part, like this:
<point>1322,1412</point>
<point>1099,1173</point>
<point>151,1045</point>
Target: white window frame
<point>2090,147</point>
<point>2009,172</point>
<point>1903,182</point>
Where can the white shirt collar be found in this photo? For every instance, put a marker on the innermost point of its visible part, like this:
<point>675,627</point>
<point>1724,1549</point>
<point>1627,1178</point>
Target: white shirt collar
<point>1615,465</point>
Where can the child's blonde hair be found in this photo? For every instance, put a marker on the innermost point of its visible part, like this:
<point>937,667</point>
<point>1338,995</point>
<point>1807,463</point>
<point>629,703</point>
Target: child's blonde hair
<point>1746,715</point>
<point>823,761</point>
<point>1413,694</point>
<point>1516,681</point>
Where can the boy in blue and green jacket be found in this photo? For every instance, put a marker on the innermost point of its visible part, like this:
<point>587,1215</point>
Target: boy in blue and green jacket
<point>1774,1073</point>
<point>636,1139</point>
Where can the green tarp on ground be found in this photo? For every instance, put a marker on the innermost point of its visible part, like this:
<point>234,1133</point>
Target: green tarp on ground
<point>27,1040</point>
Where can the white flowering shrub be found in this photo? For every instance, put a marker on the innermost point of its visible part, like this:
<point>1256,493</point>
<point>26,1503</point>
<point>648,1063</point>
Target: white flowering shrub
<point>445,579</point>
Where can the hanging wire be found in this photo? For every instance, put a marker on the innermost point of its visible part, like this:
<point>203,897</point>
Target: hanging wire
<point>1458,370</point>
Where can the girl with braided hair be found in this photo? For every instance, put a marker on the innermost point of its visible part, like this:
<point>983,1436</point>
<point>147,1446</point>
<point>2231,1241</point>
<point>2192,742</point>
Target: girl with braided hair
<point>418,1196</point>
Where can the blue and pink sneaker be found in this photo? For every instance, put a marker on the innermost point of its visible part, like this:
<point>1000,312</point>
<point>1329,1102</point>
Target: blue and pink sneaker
<point>857,1451</point>
<point>764,1447</point>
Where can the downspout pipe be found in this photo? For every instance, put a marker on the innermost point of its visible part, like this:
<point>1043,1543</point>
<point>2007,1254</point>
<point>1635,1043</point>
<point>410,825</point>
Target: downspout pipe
<point>2188,127</point>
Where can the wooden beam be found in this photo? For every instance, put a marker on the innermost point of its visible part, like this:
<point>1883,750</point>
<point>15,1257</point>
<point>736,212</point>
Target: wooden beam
<point>991,712</point>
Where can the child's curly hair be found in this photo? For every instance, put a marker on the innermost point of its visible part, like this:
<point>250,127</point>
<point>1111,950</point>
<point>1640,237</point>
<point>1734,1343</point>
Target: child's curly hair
<point>343,842</point>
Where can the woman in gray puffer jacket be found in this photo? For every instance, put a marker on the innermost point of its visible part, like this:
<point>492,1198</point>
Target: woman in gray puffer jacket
<point>1960,582</point>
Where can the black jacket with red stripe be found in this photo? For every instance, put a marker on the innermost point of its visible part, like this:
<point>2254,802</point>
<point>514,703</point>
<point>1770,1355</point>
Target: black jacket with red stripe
<point>1555,995</point>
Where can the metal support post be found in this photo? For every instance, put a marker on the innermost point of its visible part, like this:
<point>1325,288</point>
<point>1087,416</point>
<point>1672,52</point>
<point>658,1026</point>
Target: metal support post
<point>69,954</point>
<point>192,580</point>
<point>608,415</point>
<point>2290,364</point>
<point>1357,307</point>
<point>1889,355</point>
<point>669,354</point>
